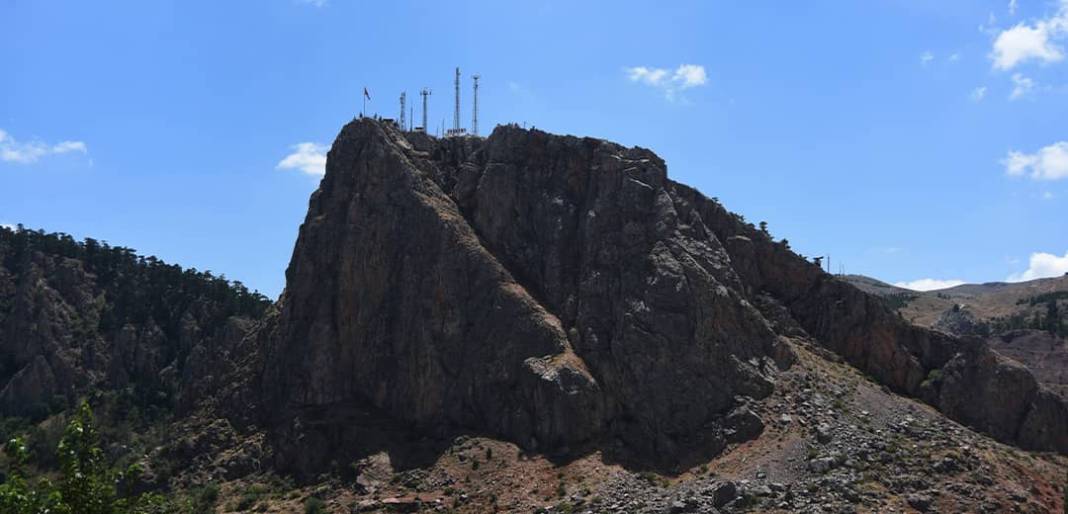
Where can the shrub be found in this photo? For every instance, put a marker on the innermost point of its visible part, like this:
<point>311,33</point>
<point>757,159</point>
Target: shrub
<point>314,505</point>
<point>204,498</point>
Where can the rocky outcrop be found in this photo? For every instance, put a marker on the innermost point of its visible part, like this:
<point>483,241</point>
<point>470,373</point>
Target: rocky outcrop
<point>42,337</point>
<point>559,291</point>
<point>959,320</point>
<point>539,288</point>
<point>1045,354</point>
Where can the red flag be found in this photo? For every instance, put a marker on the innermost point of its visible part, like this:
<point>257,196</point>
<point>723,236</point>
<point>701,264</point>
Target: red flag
<point>366,94</point>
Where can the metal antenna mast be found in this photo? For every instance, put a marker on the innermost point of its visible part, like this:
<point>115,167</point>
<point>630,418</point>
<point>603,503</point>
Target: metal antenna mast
<point>456,112</point>
<point>402,110</point>
<point>425,92</point>
<point>474,117</point>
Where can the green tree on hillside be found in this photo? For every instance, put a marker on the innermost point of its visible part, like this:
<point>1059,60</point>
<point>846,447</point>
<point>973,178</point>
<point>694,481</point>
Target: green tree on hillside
<point>87,483</point>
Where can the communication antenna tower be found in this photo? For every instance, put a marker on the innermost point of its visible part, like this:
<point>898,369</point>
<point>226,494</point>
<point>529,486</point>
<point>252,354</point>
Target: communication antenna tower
<point>403,96</point>
<point>456,112</point>
<point>474,117</point>
<point>425,92</point>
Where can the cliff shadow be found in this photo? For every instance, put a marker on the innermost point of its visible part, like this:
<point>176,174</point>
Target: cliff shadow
<point>332,439</point>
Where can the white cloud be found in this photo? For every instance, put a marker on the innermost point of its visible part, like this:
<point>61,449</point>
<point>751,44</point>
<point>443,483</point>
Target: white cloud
<point>70,146</point>
<point>686,76</point>
<point>1021,86</point>
<point>1048,163</point>
<point>1012,7</point>
<point>1038,41</point>
<point>650,76</point>
<point>8,226</point>
<point>18,152</point>
<point>929,284</point>
<point>926,58</point>
<point>690,75</point>
<point>978,94</point>
<point>1042,265</point>
<point>307,157</point>
<point>954,57</point>
<point>314,3</point>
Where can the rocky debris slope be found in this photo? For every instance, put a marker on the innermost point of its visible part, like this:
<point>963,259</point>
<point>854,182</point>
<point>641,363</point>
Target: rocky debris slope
<point>961,376</point>
<point>561,292</point>
<point>834,441</point>
<point>847,445</point>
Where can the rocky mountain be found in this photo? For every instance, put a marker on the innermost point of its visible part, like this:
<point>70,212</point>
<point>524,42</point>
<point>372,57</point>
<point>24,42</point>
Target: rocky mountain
<point>527,323</point>
<point>561,292</point>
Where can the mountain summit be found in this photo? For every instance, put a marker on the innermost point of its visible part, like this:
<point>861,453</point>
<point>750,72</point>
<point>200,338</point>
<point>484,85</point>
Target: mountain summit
<point>563,293</point>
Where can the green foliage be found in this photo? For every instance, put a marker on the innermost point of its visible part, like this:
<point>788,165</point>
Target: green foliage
<point>12,427</point>
<point>1052,323</point>
<point>1043,298</point>
<point>251,497</point>
<point>898,301</point>
<point>87,483</point>
<point>138,288</point>
<point>934,379</point>
<point>314,505</point>
<point>203,499</point>
<point>17,495</point>
<point>1053,320</point>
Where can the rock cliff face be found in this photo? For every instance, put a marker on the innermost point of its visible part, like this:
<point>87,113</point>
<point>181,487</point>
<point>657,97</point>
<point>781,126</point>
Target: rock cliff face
<point>539,288</point>
<point>561,292</point>
<point>1044,354</point>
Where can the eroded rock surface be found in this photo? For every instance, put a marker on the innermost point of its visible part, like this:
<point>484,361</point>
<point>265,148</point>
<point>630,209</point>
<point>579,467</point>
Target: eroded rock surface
<point>540,288</point>
<point>558,291</point>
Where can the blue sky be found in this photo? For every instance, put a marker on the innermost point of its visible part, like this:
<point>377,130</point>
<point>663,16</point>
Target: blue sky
<point>908,139</point>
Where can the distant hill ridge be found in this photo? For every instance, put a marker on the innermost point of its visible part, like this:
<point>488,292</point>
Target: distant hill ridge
<point>1025,321</point>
